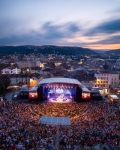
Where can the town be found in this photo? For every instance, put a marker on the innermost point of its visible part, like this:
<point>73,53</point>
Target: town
<point>100,71</point>
<point>59,75</point>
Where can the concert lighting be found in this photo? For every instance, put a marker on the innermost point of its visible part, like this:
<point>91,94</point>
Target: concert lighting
<point>33,95</point>
<point>85,95</point>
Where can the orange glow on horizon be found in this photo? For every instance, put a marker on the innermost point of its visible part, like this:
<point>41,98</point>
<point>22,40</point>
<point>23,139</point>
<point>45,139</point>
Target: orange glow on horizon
<point>91,42</point>
<point>103,46</point>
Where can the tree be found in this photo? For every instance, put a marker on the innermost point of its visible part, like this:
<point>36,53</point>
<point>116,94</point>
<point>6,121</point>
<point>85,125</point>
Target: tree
<point>5,80</point>
<point>2,88</point>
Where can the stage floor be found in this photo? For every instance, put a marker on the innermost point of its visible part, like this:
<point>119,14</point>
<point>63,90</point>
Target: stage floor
<point>60,99</point>
<point>55,120</point>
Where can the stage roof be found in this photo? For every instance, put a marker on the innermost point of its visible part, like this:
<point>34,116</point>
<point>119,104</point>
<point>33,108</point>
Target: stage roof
<point>59,80</point>
<point>55,120</point>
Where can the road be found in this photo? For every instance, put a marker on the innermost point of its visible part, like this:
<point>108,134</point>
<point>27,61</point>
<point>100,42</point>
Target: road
<point>9,94</point>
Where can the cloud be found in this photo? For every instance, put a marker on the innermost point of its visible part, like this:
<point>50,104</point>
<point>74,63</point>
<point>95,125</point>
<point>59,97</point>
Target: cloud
<point>16,40</point>
<point>51,31</point>
<point>115,11</point>
<point>70,34</point>
<point>73,27</point>
<point>59,31</point>
<point>46,34</point>
<point>111,40</point>
<point>108,27</point>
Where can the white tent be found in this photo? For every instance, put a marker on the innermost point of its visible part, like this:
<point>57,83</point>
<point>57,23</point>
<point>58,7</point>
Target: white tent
<point>55,120</point>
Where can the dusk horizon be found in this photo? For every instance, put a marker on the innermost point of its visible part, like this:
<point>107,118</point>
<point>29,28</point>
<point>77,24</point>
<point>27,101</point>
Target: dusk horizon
<point>94,25</point>
<point>58,46</point>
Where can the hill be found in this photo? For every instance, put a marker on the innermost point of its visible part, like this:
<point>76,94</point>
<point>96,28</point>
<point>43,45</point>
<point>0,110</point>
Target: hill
<point>100,51</point>
<point>116,51</point>
<point>45,49</point>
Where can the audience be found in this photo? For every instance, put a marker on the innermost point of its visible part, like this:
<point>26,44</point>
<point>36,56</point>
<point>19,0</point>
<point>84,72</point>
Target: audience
<point>93,126</point>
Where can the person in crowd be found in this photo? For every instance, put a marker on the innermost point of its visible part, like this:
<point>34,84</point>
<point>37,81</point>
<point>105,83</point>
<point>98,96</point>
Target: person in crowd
<point>93,126</point>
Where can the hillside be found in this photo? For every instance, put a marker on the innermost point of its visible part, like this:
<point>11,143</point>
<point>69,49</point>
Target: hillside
<point>116,51</point>
<point>63,50</point>
<point>100,51</point>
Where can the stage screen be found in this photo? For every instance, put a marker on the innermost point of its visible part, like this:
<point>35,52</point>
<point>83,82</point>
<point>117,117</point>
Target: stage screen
<point>59,93</point>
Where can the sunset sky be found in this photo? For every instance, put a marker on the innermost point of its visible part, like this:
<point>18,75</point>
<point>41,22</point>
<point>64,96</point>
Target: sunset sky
<point>92,24</point>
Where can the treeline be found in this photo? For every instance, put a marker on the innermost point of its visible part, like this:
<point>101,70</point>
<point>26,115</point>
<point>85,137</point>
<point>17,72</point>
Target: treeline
<point>63,50</point>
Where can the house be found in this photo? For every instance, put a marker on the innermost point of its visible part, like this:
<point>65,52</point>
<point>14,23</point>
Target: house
<point>3,66</point>
<point>22,79</point>
<point>11,70</point>
<point>19,79</point>
<point>35,70</point>
<point>28,63</point>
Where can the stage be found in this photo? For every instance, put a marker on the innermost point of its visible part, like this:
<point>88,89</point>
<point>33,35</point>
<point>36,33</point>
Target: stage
<point>59,93</point>
<point>59,90</point>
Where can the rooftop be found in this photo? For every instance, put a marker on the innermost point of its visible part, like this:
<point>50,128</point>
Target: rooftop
<point>60,80</point>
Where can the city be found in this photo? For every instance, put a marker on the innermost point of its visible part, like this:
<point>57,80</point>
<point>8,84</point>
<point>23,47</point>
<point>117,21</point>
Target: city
<point>100,71</point>
<point>59,75</point>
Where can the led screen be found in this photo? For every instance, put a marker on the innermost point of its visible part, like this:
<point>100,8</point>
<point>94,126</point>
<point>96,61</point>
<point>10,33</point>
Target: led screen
<point>59,93</point>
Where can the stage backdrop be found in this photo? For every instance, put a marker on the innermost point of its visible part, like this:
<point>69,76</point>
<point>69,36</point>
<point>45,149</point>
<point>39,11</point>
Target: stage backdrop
<point>59,93</point>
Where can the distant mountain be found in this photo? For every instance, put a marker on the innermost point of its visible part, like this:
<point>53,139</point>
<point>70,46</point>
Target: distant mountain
<point>100,51</point>
<point>116,51</point>
<point>45,49</point>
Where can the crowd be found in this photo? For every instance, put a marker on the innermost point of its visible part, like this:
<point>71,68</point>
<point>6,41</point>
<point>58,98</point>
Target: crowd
<point>93,126</point>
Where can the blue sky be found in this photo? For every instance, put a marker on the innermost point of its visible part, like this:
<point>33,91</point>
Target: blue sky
<point>90,23</point>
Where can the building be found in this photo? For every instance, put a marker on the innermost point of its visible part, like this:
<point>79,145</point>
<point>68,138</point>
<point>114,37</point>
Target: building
<point>88,82</point>
<point>17,79</point>
<point>107,79</point>
<point>117,65</point>
<point>28,63</point>
<point>11,70</point>
<point>21,79</point>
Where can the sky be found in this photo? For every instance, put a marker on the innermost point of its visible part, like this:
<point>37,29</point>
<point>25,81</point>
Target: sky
<point>93,24</point>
